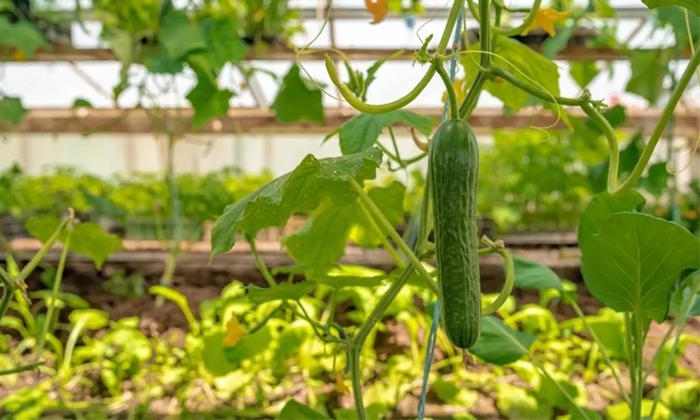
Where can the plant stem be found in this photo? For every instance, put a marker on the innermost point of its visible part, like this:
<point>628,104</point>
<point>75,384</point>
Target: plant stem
<point>267,318</point>
<point>535,91</point>
<point>606,357</point>
<point>36,259</point>
<point>613,148</point>
<point>688,303</point>
<point>507,287</point>
<point>391,232</point>
<point>54,293</point>
<point>472,98</point>
<point>382,238</point>
<point>70,343</point>
<point>661,125</point>
<point>356,103</point>
<point>509,31</point>
<point>451,94</point>
<point>19,369</point>
<point>357,342</point>
<point>260,263</point>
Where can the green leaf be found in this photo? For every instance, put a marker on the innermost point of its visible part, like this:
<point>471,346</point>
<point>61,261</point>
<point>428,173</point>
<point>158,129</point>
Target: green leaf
<point>656,180</point>
<point>533,275</point>
<point>551,46</point>
<point>177,298</point>
<point>160,63</point>
<point>518,403</point>
<point>675,17</point>
<point>608,326</point>
<point>11,110</point>
<point>649,69</point>
<point>634,260</point>
<point>578,413</point>
<point>683,395</point>
<point>121,43</point>
<point>301,190</point>
<point>284,291</point>
<point>213,355</point>
<point>374,412</point>
<point>249,346</point>
<point>692,5</point>
<point>601,207</point>
<point>208,101</point>
<point>82,103</point>
<point>22,35</point>
<point>536,67</point>
<point>351,276</point>
<point>324,237</point>
<point>683,291</point>
<point>550,393</point>
<point>293,410</point>
<point>362,131</point>
<point>622,411</point>
<point>87,238</point>
<point>499,344</point>
<point>224,44</point>
<point>179,36</point>
<point>450,393</point>
<point>91,318</point>
<point>583,72</point>
<point>298,99</point>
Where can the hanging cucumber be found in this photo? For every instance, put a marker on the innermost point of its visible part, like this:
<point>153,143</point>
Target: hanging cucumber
<point>454,170</point>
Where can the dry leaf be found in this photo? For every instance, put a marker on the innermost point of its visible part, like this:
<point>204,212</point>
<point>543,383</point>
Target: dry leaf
<point>379,9</point>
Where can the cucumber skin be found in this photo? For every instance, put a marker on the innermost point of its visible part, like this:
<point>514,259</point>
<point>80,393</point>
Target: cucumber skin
<point>454,171</point>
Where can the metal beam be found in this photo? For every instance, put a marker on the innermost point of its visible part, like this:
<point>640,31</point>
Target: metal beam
<point>277,53</point>
<point>256,120</point>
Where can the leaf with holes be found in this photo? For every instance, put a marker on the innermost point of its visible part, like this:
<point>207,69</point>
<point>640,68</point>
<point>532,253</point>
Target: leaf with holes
<point>302,190</point>
<point>634,260</point>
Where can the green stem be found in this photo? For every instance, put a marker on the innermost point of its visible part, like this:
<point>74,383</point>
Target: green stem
<point>356,103</point>
<point>396,147</point>
<point>391,232</point>
<point>451,94</point>
<point>508,31</point>
<point>382,238</point>
<point>501,5</point>
<point>601,348</point>
<point>507,287</point>
<point>36,259</point>
<point>357,342</point>
<point>661,125</point>
<point>260,263</point>
<point>535,91</point>
<point>688,303</point>
<point>70,344</point>
<point>54,293</point>
<point>472,98</point>
<point>20,369</point>
<point>613,148</point>
<point>267,318</point>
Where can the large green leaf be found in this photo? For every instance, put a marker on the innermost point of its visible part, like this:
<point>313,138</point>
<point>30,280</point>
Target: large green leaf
<point>11,110</point>
<point>224,44</point>
<point>299,99</point>
<point>350,276</point>
<point>634,260</point>
<point>283,291</point>
<point>22,35</point>
<point>601,207</point>
<point>159,62</point>
<point>301,190</point>
<point>296,411</point>
<point>179,36</point>
<point>499,344</point>
<point>325,235</point>
<point>583,72</point>
<point>362,131</point>
<point>629,156</point>
<point>692,5</point>
<point>213,355</point>
<point>540,71</point>
<point>649,69</point>
<point>533,275</point>
<point>675,17</point>
<point>87,238</point>
<point>208,101</point>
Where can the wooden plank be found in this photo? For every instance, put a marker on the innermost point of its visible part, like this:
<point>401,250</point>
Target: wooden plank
<point>280,53</point>
<point>256,120</point>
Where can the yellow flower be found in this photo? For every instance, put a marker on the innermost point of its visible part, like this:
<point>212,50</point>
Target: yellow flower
<point>340,384</point>
<point>234,332</point>
<point>545,19</point>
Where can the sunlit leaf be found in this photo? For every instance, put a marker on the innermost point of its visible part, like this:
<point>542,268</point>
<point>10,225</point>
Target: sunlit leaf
<point>622,411</point>
<point>90,318</point>
<point>634,260</point>
<point>301,190</point>
<point>518,403</point>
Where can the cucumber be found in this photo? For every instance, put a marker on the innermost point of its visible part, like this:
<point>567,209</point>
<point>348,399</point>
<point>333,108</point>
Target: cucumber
<point>454,171</point>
